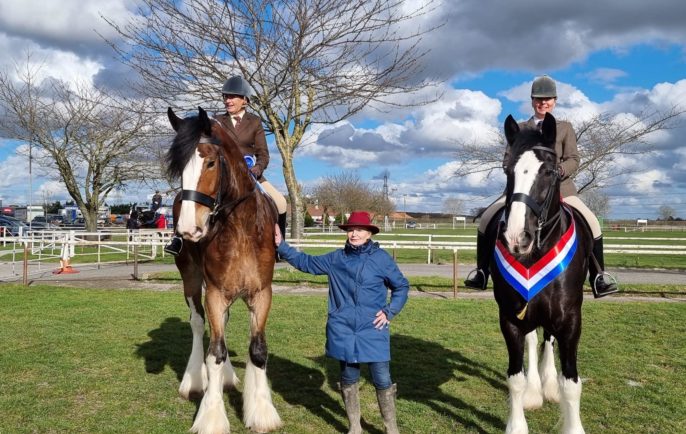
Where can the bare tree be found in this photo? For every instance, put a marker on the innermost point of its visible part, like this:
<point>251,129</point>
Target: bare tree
<point>308,61</point>
<point>597,201</point>
<point>345,192</point>
<point>601,140</point>
<point>453,206</point>
<point>666,212</point>
<point>84,138</point>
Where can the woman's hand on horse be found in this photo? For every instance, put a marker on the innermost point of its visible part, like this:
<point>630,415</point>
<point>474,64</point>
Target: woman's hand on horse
<point>381,321</point>
<point>277,235</point>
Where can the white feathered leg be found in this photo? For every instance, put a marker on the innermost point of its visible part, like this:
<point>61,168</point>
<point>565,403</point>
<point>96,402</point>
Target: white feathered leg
<point>516,423</point>
<point>259,413</point>
<point>194,380</point>
<point>570,394</point>
<point>211,417</point>
<point>533,396</point>
<point>551,387</point>
<point>230,378</point>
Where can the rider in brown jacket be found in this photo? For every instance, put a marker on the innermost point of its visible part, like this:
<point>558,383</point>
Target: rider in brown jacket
<point>246,129</point>
<point>543,99</point>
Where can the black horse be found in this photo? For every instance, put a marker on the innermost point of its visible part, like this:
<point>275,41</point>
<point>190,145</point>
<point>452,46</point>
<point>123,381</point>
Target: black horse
<point>540,264</point>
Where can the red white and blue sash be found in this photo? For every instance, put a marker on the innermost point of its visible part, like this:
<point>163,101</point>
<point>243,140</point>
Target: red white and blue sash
<point>530,281</point>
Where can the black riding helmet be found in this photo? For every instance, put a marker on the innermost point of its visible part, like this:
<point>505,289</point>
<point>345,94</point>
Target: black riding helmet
<point>543,87</point>
<point>236,85</point>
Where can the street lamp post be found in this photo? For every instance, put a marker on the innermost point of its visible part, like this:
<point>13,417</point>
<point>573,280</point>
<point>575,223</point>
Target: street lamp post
<point>404,210</point>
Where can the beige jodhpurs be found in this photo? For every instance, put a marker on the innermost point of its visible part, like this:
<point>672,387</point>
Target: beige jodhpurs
<point>572,201</point>
<point>277,197</point>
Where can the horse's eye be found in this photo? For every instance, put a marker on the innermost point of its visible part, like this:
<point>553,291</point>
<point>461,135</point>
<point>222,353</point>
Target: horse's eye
<point>210,164</point>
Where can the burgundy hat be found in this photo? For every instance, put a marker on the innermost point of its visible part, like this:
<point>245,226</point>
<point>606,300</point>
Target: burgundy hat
<point>360,219</point>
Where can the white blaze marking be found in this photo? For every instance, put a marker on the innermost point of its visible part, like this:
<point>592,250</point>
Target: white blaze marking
<point>189,181</point>
<point>525,172</point>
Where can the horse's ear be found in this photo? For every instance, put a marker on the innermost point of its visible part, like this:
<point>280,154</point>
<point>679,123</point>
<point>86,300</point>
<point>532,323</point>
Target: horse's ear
<point>205,124</point>
<point>549,129</point>
<point>174,120</point>
<point>511,129</point>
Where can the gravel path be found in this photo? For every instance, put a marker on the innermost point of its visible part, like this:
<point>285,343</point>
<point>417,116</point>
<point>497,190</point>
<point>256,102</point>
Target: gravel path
<point>120,276</point>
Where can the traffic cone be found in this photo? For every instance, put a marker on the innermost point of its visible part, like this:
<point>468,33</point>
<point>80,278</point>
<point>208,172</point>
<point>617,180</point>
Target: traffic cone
<point>65,268</point>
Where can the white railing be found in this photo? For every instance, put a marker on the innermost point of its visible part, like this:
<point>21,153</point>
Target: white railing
<point>47,247</point>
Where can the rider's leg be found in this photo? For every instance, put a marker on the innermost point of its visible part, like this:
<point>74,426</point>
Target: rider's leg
<point>174,246</point>
<point>479,276</point>
<point>596,272</point>
<point>281,206</point>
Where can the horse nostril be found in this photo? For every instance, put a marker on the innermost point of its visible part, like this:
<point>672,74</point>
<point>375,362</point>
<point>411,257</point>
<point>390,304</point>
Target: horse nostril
<point>524,238</point>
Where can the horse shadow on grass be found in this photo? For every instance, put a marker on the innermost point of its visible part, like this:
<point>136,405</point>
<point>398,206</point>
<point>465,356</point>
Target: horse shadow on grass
<point>419,367</point>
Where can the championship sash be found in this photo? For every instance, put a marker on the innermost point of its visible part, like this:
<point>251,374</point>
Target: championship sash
<point>530,281</point>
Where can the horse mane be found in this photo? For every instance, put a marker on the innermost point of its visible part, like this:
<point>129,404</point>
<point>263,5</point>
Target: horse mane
<point>183,146</point>
<point>526,139</point>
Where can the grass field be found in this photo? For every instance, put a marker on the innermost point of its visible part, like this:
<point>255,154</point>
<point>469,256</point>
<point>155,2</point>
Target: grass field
<point>103,361</point>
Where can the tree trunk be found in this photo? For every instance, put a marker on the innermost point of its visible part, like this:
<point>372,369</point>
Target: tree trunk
<point>294,194</point>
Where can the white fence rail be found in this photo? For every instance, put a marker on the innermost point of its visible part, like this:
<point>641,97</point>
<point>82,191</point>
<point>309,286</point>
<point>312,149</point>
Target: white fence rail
<point>47,247</point>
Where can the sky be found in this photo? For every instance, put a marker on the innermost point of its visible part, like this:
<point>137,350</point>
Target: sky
<point>607,56</point>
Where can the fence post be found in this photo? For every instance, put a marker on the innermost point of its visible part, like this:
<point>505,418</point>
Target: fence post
<point>428,258</point>
<point>25,270</point>
<point>455,273</point>
<point>135,261</point>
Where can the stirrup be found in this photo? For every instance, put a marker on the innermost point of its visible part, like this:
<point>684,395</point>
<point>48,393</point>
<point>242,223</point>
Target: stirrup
<point>174,247</point>
<point>611,284</point>
<point>473,283</point>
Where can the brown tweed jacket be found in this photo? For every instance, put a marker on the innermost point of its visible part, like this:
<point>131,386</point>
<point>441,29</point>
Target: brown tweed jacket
<point>566,150</point>
<point>250,138</point>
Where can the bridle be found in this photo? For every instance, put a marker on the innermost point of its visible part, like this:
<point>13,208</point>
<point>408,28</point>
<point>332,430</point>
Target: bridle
<point>540,210</point>
<point>215,205</point>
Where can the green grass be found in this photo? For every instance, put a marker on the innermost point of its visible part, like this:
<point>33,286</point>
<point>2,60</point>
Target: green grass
<point>101,361</point>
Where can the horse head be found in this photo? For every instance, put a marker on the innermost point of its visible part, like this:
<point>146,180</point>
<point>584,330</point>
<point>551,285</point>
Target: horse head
<point>198,155</point>
<point>533,186</point>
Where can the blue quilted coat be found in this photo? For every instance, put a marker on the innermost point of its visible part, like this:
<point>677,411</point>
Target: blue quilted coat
<point>359,280</point>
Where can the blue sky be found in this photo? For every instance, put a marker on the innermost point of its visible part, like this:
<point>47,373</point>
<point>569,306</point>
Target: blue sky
<point>620,57</point>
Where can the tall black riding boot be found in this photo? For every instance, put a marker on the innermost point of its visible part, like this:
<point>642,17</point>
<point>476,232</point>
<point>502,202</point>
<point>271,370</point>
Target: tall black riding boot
<point>174,246</point>
<point>282,225</point>
<point>600,287</point>
<point>281,221</point>
<point>480,279</point>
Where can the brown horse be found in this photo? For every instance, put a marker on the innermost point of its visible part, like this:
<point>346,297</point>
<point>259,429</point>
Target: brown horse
<point>227,224</point>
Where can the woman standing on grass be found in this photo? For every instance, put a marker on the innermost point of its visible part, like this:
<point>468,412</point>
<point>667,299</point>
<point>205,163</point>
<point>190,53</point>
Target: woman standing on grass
<point>359,316</point>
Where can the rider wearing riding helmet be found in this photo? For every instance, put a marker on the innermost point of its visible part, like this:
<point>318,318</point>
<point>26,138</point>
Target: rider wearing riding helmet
<point>246,129</point>
<point>543,99</point>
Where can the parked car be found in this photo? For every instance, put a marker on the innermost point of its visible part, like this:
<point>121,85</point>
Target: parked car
<point>411,224</point>
<point>12,226</point>
<point>120,220</point>
<point>57,220</point>
<point>39,219</point>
